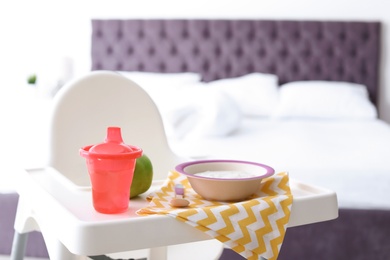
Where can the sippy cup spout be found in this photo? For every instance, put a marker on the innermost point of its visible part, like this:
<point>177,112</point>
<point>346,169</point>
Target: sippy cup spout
<point>112,147</point>
<point>114,135</point>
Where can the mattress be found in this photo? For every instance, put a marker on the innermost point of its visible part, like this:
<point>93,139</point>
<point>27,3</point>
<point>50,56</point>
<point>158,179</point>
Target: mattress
<point>349,157</point>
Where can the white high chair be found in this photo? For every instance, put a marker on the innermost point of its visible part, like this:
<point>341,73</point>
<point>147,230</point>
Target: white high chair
<point>56,199</point>
<point>83,109</point>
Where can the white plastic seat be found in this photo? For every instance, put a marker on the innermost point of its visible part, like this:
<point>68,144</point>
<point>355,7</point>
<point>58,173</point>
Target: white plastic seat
<point>84,108</point>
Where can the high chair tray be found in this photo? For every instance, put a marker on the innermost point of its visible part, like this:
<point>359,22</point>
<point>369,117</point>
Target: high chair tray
<point>63,208</point>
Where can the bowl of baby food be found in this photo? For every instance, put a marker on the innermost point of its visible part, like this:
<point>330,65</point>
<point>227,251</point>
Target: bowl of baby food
<point>225,180</point>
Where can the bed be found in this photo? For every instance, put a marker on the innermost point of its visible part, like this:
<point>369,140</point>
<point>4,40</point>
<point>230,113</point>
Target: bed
<point>300,96</point>
<point>320,122</point>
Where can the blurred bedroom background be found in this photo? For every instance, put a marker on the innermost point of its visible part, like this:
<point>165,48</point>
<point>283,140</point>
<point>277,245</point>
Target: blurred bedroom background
<point>52,38</point>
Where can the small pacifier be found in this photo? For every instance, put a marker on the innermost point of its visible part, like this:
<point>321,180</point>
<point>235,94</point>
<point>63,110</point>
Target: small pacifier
<point>179,201</point>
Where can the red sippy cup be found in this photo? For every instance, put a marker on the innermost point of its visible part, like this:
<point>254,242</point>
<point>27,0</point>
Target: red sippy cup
<point>111,169</point>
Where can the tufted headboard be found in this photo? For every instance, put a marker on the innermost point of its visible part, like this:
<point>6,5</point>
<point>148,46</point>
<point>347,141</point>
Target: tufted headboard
<point>293,50</point>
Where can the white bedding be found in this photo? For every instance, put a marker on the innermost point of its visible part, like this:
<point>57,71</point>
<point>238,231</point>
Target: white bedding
<point>323,133</point>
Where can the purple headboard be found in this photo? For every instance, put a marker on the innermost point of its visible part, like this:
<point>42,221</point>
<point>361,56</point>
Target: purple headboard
<point>293,50</point>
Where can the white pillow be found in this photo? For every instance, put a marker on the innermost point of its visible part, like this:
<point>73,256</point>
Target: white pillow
<point>162,87</point>
<point>256,94</point>
<point>202,112</point>
<point>324,99</point>
<point>219,115</point>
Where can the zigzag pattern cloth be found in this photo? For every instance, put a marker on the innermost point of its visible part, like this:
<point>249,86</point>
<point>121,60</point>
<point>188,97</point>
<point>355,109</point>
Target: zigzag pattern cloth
<point>254,228</point>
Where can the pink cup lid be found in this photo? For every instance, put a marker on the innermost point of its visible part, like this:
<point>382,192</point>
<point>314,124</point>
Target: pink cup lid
<point>112,147</point>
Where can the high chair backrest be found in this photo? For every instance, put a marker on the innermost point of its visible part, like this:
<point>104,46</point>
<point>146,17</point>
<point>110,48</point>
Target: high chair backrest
<point>84,108</point>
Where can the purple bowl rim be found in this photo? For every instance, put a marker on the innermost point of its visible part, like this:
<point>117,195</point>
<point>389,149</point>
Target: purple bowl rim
<point>180,168</point>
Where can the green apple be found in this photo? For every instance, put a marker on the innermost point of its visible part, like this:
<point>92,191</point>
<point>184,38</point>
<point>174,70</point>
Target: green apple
<point>143,176</point>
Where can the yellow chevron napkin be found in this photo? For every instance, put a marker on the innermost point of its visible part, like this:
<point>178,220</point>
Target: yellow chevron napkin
<point>254,228</point>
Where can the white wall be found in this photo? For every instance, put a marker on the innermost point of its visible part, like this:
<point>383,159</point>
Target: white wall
<point>37,35</point>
